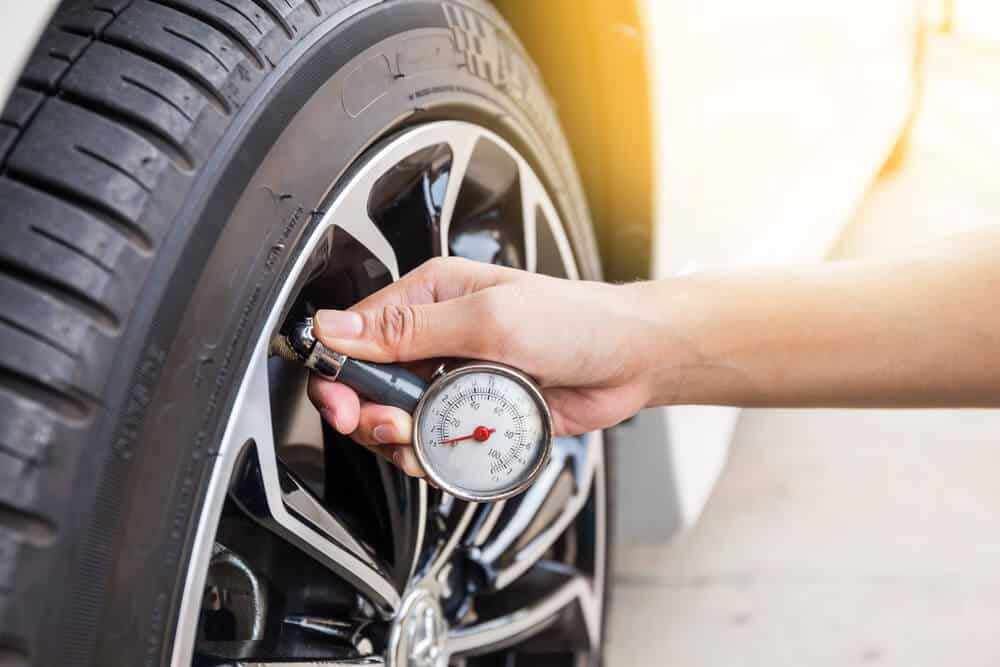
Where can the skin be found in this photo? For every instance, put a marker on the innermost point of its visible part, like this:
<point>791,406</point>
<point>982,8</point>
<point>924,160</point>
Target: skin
<point>919,330</point>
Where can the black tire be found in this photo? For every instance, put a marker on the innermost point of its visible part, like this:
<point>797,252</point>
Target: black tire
<point>158,162</point>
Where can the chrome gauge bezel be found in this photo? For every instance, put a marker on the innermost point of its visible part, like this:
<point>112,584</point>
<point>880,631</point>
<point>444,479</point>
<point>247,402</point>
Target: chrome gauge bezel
<point>448,378</point>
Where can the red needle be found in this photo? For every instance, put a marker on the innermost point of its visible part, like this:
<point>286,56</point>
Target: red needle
<point>481,434</point>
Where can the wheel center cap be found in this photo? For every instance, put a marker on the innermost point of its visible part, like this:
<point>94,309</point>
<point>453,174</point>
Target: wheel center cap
<point>419,637</point>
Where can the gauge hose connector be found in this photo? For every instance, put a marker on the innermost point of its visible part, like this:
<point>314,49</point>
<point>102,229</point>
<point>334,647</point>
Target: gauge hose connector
<point>298,343</point>
<point>382,383</point>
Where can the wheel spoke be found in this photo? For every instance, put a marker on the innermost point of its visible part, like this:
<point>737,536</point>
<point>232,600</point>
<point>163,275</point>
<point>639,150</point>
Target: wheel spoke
<point>462,145</point>
<point>485,524</point>
<point>555,589</point>
<point>268,492</point>
<point>351,632</point>
<point>534,200</point>
<point>353,218</point>
<point>456,528</point>
<point>407,500</point>
<point>532,197</point>
<point>545,511</point>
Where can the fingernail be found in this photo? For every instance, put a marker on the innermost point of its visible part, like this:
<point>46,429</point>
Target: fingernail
<point>397,457</point>
<point>330,415</point>
<point>339,425</point>
<point>339,323</point>
<point>384,433</point>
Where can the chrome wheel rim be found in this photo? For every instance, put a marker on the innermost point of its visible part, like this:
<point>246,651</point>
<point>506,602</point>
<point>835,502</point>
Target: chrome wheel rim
<point>459,580</point>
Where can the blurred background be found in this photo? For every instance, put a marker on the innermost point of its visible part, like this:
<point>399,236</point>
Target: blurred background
<point>793,131</point>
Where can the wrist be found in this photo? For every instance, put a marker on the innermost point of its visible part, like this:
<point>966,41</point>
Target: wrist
<point>659,349</point>
<point>673,353</point>
<point>684,347</point>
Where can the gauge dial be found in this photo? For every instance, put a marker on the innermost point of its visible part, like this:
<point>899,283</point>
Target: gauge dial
<point>482,432</point>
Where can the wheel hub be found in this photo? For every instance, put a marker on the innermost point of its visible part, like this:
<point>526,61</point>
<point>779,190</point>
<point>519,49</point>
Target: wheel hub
<point>420,633</point>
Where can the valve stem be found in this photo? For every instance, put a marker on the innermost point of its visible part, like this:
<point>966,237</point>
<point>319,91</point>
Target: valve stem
<point>298,343</point>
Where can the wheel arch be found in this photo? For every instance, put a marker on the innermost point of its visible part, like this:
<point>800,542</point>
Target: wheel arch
<point>593,58</point>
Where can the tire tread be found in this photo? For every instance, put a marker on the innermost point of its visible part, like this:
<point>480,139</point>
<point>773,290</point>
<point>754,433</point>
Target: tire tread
<point>118,108</point>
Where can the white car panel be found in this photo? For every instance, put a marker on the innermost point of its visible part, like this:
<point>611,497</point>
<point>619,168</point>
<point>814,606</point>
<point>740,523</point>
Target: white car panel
<point>22,24</point>
<point>773,120</point>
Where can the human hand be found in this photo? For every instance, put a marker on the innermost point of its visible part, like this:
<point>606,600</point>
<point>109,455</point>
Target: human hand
<point>587,344</point>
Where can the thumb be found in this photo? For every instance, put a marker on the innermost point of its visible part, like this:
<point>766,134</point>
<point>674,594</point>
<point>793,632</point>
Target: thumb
<point>408,332</point>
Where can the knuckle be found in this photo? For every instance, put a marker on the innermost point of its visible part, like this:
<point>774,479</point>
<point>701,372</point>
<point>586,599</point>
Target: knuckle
<point>438,264</point>
<point>397,325</point>
<point>427,276</point>
<point>433,271</point>
<point>438,270</point>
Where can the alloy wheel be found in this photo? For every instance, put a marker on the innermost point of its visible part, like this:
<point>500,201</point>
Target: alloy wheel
<point>310,550</point>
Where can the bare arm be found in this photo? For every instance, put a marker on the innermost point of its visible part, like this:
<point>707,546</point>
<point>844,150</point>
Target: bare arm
<point>922,329</point>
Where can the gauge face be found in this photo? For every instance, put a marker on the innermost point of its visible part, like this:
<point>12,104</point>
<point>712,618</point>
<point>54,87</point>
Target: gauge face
<point>482,432</point>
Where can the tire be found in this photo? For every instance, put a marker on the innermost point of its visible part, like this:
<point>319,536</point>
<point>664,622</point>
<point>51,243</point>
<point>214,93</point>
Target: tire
<point>160,164</point>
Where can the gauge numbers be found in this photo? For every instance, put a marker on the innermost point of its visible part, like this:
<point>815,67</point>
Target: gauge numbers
<point>482,431</point>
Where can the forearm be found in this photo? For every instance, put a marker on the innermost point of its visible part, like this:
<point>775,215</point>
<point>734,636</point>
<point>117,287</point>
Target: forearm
<point>921,330</point>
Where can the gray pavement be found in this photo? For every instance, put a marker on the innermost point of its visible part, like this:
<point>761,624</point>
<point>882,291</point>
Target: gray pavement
<point>833,538</point>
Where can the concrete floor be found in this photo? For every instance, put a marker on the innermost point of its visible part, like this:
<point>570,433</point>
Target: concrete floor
<point>850,537</point>
<point>833,538</point>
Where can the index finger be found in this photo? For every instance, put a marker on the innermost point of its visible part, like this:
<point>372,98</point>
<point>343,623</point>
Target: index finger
<point>438,279</point>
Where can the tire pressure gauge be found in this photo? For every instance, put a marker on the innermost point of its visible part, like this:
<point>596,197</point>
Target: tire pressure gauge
<point>482,431</point>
